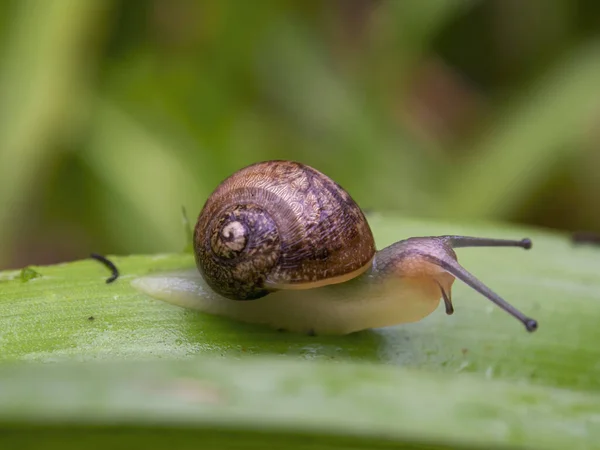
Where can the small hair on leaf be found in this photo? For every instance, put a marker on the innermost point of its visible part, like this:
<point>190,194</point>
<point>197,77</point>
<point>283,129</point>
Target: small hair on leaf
<point>109,264</point>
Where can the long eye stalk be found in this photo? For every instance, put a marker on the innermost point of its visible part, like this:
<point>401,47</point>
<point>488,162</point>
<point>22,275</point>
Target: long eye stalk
<point>454,268</point>
<point>467,241</point>
<point>462,274</point>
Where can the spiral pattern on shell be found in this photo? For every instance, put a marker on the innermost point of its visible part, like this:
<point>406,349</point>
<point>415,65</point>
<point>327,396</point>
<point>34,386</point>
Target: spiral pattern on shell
<point>279,225</point>
<point>244,246</point>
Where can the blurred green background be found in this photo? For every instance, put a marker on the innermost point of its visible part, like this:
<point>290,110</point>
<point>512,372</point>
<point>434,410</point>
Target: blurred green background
<point>115,114</point>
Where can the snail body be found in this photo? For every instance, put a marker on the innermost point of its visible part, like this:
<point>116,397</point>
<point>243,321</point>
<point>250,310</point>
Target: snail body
<point>281,244</point>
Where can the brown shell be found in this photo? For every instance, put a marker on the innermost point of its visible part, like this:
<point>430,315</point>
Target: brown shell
<point>280,225</point>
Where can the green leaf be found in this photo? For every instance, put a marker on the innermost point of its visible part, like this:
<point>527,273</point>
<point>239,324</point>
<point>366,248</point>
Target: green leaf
<point>157,375</point>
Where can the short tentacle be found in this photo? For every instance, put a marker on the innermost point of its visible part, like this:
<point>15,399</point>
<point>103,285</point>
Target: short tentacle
<point>447,301</point>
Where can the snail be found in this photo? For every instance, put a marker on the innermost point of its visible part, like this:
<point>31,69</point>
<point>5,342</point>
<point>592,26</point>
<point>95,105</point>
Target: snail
<point>281,244</point>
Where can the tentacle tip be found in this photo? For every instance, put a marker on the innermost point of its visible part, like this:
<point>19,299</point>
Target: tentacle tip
<point>531,325</point>
<point>526,243</point>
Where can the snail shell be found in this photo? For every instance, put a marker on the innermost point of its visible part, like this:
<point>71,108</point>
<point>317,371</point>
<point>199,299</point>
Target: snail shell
<point>280,225</point>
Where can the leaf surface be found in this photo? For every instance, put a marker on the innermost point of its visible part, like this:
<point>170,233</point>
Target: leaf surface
<point>474,378</point>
